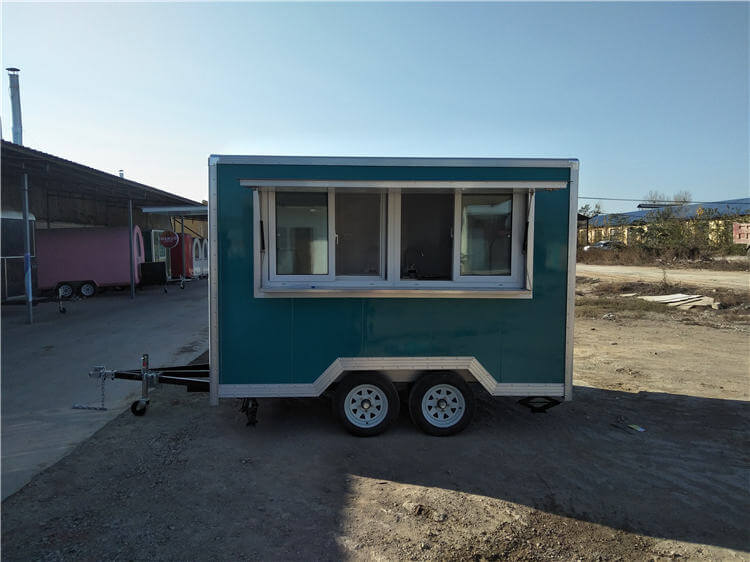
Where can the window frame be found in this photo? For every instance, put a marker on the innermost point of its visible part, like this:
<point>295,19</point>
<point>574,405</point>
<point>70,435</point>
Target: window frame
<point>331,257</point>
<point>517,265</point>
<point>383,239</point>
<point>389,284</point>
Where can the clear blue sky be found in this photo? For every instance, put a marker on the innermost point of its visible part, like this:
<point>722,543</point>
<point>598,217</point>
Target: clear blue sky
<point>647,96</point>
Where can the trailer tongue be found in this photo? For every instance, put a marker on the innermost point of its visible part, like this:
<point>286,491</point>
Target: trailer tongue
<point>193,376</point>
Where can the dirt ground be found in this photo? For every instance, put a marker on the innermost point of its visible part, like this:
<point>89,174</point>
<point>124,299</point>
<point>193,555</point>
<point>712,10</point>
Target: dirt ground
<point>192,482</point>
<point>705,278</point>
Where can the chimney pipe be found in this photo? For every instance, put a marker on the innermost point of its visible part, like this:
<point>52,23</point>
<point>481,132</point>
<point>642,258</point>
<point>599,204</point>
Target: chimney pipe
<point>15,104</point>
<point>122,173</point>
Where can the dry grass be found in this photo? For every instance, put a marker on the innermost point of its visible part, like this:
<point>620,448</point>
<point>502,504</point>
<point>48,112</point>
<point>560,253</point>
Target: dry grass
<point>595,299</point>
<point>637,256</point>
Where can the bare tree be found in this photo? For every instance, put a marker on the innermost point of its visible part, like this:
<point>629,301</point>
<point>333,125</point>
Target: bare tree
<point>683,197</point>
<point>655,196</point>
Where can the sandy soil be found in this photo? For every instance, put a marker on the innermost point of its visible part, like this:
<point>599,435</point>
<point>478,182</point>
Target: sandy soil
<point>192,482</point>
<point>737,280</point>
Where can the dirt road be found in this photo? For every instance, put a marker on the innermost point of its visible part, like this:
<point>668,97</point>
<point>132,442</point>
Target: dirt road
<point>192,482</point>
<point>737,280</point>
<point>44,367</point>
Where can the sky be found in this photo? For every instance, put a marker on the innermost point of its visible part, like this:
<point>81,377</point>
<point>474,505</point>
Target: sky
<point>649,96</point>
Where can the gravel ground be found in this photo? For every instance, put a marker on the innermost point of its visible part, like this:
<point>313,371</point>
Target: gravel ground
<point>188,481</point>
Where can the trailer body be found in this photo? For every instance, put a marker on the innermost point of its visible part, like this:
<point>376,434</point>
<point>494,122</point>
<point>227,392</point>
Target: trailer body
<point>179,257</point>
<point>273,333</point>
<point>98,255</point>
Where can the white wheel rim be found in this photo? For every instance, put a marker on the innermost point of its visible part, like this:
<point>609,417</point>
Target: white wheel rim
<point>443,405</point>
<point>65,290</point>
<point>87,289</point>
<point>366,405</point>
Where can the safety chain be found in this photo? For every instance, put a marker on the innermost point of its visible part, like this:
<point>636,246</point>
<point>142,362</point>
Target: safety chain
<point>102,374</point>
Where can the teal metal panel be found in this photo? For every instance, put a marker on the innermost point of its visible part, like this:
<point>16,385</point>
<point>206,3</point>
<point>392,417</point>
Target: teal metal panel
<point>285,340</point>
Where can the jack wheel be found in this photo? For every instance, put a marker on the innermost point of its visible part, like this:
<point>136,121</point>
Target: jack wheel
<point>138,408</point>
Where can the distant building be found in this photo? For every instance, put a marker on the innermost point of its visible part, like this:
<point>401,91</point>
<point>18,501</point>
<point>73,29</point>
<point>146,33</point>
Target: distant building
<point>714,209</point>
<point>624,226</point>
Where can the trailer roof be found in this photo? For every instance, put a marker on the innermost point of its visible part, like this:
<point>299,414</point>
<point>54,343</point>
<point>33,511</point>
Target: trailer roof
<point>393,161</point>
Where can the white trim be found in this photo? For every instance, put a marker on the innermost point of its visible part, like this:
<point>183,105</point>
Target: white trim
<point>529,270</point>
<point>403,184</point>
<point>213,285</point>
<point>390,161</point>
<point>346,364</point>
<point>390,292</point>
<point>570,308</point>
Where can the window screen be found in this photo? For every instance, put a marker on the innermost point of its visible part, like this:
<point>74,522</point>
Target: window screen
<point>426,235</point>
<point>358,234</point>
<point>301,233</point>
<point>486,226</point>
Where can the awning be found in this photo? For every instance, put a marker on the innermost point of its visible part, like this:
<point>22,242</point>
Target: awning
<point>178,211</point>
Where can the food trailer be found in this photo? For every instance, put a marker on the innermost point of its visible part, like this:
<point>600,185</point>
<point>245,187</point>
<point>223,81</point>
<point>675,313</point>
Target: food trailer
<point>376,279</point>
<point>81,260</point>
<point>366,276</point>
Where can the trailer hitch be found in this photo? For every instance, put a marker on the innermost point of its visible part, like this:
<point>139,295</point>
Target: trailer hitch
<point>194,377</point>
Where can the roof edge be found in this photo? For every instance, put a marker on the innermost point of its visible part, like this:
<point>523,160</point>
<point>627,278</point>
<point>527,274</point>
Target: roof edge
<point>215,159</point>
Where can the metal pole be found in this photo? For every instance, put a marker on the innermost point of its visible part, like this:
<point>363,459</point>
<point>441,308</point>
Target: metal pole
<point>130,239</point>
<point>182,241</point>
<point>27,249</point>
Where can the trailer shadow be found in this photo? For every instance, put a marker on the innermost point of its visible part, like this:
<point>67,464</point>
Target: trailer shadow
<point>192,482</point>
<point>683,478</point>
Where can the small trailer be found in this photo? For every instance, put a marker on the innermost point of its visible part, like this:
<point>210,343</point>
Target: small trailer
<point>81,260</point>
<point>366,278</point>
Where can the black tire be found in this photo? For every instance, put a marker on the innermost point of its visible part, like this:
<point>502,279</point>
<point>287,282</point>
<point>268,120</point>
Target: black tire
<point>138,408</point>
<point>65,290</point>
<point>87,289</point>
<point>440,423</point>
<point>387,397</point>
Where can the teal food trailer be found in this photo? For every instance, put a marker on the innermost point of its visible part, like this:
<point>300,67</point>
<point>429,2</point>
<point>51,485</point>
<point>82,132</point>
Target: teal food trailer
<point>366,276</point>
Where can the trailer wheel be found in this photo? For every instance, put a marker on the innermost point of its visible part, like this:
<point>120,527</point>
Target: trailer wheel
<point>65,290</point>
<point>441,403</point>
<point>88,289</point>
<point>366,403</point>
<point>138,408</point>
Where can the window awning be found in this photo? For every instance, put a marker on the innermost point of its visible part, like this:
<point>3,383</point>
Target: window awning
<point>401,184</point>
<point>178,211</point>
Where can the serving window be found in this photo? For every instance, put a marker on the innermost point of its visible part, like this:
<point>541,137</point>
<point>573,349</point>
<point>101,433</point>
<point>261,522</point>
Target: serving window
<point>393,242</point>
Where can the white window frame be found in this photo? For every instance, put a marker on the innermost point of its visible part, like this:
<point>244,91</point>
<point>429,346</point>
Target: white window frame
<point>517,263</point>
<point>383,238</point>
<point>295,279</point>
<point>269,284</point>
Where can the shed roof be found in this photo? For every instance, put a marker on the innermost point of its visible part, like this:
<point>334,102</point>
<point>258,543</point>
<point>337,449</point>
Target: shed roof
<point>714,208</point>
<point>65,177</point>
